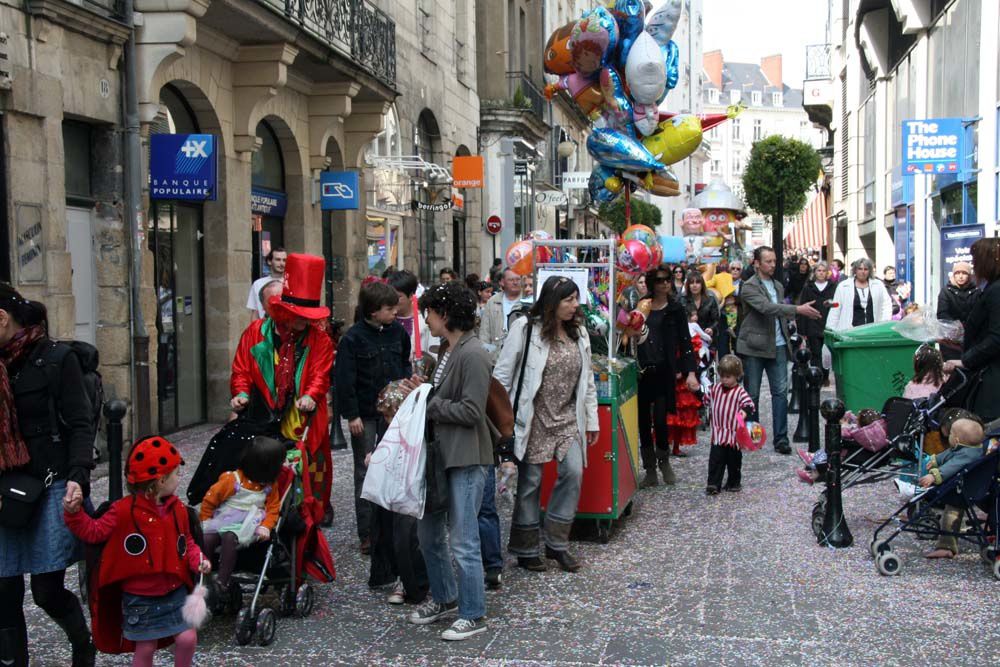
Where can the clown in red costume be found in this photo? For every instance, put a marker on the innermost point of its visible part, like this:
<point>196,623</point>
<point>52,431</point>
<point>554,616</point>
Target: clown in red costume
<point>149,556</point>
<point>284,360</point>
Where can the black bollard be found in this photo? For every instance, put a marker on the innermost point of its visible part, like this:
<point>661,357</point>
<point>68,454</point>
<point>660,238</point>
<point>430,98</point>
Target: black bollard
<point>801,370</point>
<point>114,412</point>
<point>814,378</point>
<point>835,531</point>
<point>794,343</point>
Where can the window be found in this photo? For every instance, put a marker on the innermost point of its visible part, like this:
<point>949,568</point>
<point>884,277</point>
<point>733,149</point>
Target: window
<point>425,27</point>
<point>713,96</point>
<point>76,146</point>
<point>737,165</point>
<point>734,97</point>
<point>736,129</point>
<point>756,98</point>
<point>267,164</point>
<point>716,166</point>
<point>758,129</point>
<point>776,99</point>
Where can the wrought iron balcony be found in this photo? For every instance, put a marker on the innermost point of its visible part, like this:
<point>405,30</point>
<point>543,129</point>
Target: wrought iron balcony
<point>524,94</point>
<point>356,28</point>
<point>818,62</point>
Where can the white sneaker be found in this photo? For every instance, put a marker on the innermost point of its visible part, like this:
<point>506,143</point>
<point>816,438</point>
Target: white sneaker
<point>398,594</point>
<point>464,628</point>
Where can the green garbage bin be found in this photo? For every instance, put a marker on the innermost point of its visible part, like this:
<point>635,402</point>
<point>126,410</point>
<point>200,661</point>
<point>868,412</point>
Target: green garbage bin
<point>871,363</point>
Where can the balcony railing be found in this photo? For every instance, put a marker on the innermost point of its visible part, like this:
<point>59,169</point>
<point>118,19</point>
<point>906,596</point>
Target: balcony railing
<point>818,62</point>
<point>524,94</point>
<point>356,28</point>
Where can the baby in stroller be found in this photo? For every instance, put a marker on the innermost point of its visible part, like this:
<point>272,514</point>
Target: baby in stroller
<point>242,506</point>
<point>966,440</point>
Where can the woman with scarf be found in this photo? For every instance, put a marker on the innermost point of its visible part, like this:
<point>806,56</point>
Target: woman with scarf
<point>282,369</point>
<point>45,547</point>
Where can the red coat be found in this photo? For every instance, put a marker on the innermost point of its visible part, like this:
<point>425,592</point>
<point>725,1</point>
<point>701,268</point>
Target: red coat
<point>163,534</point>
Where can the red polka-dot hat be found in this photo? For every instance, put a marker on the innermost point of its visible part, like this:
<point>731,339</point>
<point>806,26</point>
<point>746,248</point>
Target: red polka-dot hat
<point>152,458</point>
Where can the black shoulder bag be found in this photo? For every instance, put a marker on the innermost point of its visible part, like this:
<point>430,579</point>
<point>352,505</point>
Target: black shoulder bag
<point>524,362</point>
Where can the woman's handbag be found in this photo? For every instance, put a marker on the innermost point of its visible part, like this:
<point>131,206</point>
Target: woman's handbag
<point>20,496</point>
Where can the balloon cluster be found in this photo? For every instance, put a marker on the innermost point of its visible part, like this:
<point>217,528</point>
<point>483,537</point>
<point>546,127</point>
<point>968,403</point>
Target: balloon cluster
<point>519,256</point>
<point>618,62</point>
<point>638,250</point>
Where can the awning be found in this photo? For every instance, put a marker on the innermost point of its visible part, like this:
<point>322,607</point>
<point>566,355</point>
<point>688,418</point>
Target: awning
<point>809,231</point>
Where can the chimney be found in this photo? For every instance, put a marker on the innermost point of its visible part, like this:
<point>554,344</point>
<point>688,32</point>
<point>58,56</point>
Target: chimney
<point>712,62</point>
<point>771,66</point>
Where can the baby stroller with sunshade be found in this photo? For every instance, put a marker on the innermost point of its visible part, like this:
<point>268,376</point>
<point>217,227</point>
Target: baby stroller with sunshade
<point>975,486</point>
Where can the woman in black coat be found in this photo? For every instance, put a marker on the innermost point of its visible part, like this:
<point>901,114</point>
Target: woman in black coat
<point>955,302</point>
<point>38,375</point>
<point>982,331</point>
<point>664,355</point>
<point>697,296</point>
<point>819,290</point>
<point>796,278</point>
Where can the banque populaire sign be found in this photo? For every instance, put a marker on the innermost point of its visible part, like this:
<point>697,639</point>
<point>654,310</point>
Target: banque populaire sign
<point>933,146</point>
<point>182,167</point>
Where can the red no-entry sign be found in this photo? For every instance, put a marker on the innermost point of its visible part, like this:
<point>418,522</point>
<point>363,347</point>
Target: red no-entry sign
<point>494,224</point>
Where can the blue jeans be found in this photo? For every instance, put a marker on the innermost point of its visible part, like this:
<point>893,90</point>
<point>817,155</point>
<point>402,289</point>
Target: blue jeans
<point>777,378</point>
<point>561,509</point>
<point>489,524</point>
<point>459,526</point>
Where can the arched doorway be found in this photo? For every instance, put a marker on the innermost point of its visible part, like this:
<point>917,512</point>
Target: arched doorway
<point>268,201</point>
<point>427,140</point>
<point>175,238</point>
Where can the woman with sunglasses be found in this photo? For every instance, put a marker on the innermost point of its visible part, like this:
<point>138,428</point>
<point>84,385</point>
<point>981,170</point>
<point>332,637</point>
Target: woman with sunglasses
<point>677,283</point>
<point>665,356</point>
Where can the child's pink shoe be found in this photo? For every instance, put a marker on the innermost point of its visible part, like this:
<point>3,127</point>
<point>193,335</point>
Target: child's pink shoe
<point>804,476</point>
<point>806,456</point>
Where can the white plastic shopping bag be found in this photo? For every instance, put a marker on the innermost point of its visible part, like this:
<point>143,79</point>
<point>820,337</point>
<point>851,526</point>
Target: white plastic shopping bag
<point>395,477</point>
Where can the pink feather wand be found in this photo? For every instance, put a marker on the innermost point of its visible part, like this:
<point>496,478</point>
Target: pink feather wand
<point>195,609</point>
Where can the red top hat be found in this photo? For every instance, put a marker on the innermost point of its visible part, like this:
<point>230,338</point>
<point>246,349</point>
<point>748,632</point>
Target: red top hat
<point>302,288</point>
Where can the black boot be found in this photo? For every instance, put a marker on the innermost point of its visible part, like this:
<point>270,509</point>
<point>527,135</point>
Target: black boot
<point>13,647</point>
<point>74,624</point>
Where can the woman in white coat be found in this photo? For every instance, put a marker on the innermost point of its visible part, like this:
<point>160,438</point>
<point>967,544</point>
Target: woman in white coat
<point>555,406</point>
<point>861,300</point>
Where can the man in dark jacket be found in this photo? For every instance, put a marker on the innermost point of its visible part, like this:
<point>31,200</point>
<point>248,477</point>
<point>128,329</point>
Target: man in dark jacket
<point>373,353</point>
<point>955,302</point>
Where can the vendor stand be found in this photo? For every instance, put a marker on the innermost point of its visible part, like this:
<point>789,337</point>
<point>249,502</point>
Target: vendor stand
<point>610,478</point>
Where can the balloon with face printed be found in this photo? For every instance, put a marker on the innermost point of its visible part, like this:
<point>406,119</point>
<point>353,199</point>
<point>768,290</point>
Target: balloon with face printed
<point>594,40</point>
<point>675,138</point>
<point>646,71</point>
<point>630,15</point>
<point>662,23</point>
<point>617,105</point>
<point>558,59</point>
<point>584,91</point>
<point>618,151</point>
<point>634,257</point>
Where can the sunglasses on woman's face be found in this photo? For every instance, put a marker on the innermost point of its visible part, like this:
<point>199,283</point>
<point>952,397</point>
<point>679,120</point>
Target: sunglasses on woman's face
<point>679,272</point>
<point>661,279</point>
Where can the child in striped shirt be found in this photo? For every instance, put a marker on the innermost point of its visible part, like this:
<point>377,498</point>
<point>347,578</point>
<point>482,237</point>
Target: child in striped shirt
<point>728,398</point>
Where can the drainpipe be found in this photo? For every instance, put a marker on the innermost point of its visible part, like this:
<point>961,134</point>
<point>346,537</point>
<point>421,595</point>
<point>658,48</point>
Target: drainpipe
<point>134,218</point>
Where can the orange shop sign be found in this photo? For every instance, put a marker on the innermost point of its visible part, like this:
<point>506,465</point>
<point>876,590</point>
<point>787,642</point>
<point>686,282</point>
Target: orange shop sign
<point>467,171</point>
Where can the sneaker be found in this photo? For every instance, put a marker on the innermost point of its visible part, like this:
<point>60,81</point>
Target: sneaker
<point>649,480</point>
<point>533,563</point>
<point>464,628</point>
<point>398,594</point>
<point>711,490</point>
<point>494,579</point>
<point>430,611</point>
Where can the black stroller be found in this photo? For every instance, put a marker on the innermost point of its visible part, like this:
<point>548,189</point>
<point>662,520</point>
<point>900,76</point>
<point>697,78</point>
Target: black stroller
<point>975,486</point>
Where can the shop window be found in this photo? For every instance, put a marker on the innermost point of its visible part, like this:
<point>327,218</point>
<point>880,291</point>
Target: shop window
<point>268,164</point>
<point>77,142</point>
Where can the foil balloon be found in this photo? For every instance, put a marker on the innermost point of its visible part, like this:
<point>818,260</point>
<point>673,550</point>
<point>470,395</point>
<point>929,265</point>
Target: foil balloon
<point>634,257</point>
<point>646,71</point>
<point>518,257</point>
<point>640,233</point>
<point>595,321</point>
<point>558,59</point>
<point>672,62</point>
<point>675,139</point>
<point>594,41</point>
<point>584,91</point>
<point>630,15</point>
<point>646,117</point>
<point>662,23</point>
<point>617,105</point>
<point>618,151</point>
<point>599,192</point>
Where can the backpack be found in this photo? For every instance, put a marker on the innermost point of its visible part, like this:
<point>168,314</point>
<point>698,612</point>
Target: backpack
<point>89,359</point>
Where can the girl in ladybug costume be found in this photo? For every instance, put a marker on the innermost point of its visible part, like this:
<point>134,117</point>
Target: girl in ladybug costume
<point>149,555</point>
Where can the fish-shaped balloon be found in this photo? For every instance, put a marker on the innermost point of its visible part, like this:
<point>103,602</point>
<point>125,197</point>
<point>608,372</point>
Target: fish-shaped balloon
<point>616,150</point>
<point>675,139</point>
<point>662,23</point>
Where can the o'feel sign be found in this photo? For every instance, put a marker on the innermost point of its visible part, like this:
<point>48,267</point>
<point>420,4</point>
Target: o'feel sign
<point>932,146</point>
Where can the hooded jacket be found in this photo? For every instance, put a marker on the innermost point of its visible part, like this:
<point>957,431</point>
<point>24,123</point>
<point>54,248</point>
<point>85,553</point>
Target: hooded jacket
<point>954,302</point>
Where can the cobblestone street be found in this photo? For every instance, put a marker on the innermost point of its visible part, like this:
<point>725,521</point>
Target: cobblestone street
<point>735,579</point>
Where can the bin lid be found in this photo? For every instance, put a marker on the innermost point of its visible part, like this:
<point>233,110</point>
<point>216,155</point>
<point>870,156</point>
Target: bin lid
<point>869,335</point>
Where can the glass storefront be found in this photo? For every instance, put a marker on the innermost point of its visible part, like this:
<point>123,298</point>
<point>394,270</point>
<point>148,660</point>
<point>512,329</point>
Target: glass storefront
<point>268,200</point>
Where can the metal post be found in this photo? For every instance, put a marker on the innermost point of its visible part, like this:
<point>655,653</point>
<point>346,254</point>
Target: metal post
<point>801,372</point>
<point>835,531</point>
<point>114,412</point>
<point>794,344</point>
<point>814,377</point>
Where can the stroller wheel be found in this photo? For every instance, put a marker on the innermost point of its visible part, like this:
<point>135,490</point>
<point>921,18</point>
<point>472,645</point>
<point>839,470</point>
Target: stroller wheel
<point>245,627</point>
<point>988,554</point>
<point>267,623</point>
<point>304,601</point>
<point>889,564</point>
<point>996,569</point>
<point>819,510</point>
<point>879,547</point>
<point>287,598</point>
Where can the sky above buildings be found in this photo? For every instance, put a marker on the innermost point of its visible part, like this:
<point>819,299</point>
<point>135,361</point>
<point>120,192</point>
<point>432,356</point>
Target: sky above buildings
<point>745,31</point>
